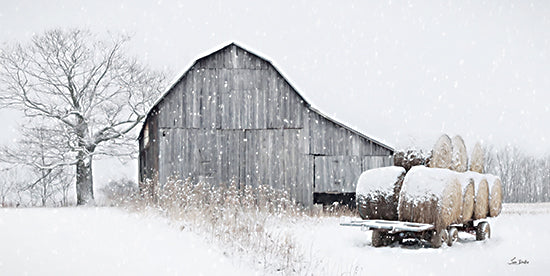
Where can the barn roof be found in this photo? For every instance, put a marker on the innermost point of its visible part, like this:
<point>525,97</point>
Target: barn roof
<point>306,103</point>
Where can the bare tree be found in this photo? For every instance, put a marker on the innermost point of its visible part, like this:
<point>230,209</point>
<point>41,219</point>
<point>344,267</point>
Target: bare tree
<point>45,156</point>
<point>72,81</point>
<point>7,187</point>
<point>12,188</point>
<point>525,178</point>
<point>63,186</point>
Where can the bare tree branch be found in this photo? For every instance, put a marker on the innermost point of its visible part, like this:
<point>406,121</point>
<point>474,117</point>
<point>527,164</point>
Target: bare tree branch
<point>87,95</point>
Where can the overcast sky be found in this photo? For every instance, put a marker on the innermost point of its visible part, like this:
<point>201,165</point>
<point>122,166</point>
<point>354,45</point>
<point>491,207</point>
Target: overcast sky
<point>401,72</point>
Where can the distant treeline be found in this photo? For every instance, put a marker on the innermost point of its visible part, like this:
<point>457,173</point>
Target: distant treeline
<point>525,178</point>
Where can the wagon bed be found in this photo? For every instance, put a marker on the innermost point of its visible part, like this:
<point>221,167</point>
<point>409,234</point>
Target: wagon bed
<point>384,232</point>
<point>389,225</point>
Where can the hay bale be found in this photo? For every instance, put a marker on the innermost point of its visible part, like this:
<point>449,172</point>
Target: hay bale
<point>481,197</point>
<point>459,159</point>
<point>442,153</point>
<point>468,197</point>
<point>430,195</point>
<point>377,193</point>
<point>477,161</point>
<point>495,195</point>
<point>409,159</point>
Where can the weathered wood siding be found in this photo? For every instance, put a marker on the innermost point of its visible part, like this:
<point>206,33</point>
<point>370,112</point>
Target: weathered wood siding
<point>232,98</point>
<point>233,116</point>
<point>149,153</point>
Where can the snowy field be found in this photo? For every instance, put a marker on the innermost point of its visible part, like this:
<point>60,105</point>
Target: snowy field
<point>522,231</point>
<point>109,241</point>
<point>102,241</point>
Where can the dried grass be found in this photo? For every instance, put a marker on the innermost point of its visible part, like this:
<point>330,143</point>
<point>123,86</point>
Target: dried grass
<point>238,217</point>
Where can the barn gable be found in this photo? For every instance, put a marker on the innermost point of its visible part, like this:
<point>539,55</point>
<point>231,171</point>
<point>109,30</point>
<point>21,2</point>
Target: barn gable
<point>233,116</point>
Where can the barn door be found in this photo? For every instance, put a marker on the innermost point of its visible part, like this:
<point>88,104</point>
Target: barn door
<point>264,158</point>
<point>336,174</point>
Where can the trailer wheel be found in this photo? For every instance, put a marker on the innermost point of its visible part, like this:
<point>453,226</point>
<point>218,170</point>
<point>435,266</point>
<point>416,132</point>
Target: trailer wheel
<point>452,236</point>
<point>438,237</point>
<point>380,238</point>
<point>483,231</point>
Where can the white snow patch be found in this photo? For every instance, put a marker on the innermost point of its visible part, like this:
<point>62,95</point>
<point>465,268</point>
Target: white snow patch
<point>379,180</point>
<point>477,177</point>
<point>422,182</point>
<point>102,241</point>
<point>464,181</point>
<point>339,250</point>
<point>491,181</point>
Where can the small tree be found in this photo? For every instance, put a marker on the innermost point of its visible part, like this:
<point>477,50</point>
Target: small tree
<point>45,157</point>
<point>85,87</point>
<point>7,187</point>
<point>120,191</point>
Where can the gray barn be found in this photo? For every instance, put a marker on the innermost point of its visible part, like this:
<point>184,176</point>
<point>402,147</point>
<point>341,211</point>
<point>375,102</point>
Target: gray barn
<point>233,116</point>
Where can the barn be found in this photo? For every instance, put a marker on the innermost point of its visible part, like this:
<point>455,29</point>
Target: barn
<point>232,116</point>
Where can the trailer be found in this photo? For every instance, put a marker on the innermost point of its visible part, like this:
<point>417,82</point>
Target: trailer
<point>386,232</point>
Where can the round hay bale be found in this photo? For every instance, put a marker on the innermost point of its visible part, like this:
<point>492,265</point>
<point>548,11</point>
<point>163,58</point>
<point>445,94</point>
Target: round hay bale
<point>399,159</point>
<point>459,160</point>
<point>468,197</point>
<point>442,153</point>
<point>495,195</point>
<point>430,195</point>
<point>409,159</point>
<point>481,197</point>
<point>477,161</point>
<point>377,192</point>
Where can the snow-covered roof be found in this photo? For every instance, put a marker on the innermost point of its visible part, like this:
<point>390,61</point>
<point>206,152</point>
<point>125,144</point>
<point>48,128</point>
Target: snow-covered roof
<point>306,103</point>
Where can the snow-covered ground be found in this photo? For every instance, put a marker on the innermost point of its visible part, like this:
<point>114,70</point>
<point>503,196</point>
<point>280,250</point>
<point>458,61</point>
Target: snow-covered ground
<point>103,241</point>
<point>521,232</point>
<point>110,241</point>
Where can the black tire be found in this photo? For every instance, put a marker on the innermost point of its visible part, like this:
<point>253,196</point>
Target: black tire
<point>483,231</point>
<point>438,237</point>
<point>452,236</point>
<point>380,238</point>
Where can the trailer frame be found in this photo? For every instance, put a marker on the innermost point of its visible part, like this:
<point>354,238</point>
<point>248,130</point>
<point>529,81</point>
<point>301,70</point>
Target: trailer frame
<point>385,232</point>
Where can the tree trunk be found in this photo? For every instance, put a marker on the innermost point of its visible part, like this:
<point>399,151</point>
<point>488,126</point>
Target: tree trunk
<point>84,180</point>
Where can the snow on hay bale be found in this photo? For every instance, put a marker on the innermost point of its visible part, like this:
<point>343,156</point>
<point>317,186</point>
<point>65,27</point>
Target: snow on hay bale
<point>477,160</point>
<point>481,197</point>
<point>459,155</point>
<point>410,158</point>
<point>431,195</point>
<point>442,153</point>
<point>495,195</point>
<point>378,193</point>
